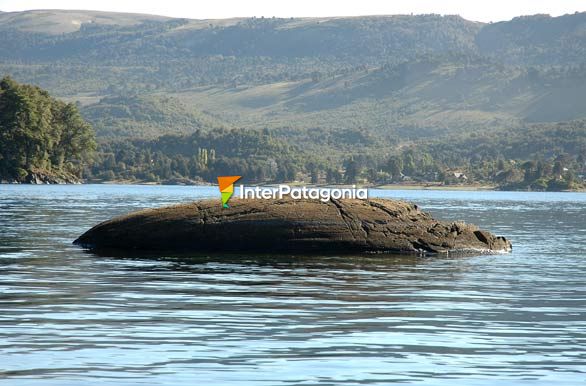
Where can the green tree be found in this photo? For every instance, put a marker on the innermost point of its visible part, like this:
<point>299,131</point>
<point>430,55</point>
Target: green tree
<point>352,170</point>
<point>395,167</point>
<point>39,132</point>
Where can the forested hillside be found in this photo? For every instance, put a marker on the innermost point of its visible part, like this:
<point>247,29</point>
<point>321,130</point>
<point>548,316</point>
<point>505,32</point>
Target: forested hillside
<point>41,138</point>
<point>106,52</point>
<point>352,96</point>
<point>145,117</point>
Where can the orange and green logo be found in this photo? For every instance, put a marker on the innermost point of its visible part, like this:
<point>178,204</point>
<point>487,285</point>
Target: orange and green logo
<point>226,185</point>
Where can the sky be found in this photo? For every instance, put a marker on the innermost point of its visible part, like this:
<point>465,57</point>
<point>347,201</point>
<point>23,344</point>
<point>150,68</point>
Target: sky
<point>485,11</point>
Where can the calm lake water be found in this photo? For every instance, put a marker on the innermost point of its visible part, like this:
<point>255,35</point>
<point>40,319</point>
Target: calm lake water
<point>68,317</point>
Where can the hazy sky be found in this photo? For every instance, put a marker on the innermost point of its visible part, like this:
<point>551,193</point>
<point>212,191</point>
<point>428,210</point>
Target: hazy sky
<point>489,10</point>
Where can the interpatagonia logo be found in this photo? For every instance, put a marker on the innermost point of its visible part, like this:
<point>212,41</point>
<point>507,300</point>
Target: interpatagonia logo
<point>297,193</point>
<point>302,192</point>
<point>226,185</point>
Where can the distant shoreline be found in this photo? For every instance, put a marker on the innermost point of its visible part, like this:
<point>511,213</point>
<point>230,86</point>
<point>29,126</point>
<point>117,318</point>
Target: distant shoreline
<point>400,186</point>
<point>475,187</point>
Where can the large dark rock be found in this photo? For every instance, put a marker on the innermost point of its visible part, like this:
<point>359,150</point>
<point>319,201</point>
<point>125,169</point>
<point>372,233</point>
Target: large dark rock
<point>344,226</point>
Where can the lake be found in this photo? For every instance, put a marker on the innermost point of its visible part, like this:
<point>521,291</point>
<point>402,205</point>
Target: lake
<point>68,317</point>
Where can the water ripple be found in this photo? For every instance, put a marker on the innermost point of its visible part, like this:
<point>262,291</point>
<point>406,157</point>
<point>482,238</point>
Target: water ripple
<point>68,317</point>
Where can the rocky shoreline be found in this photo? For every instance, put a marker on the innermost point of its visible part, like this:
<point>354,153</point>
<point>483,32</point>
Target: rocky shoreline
<point>42,177</point>
<point>291,226</point>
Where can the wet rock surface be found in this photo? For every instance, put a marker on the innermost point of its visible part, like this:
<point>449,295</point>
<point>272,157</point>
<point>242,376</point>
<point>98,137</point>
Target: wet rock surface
<point>291,226</point>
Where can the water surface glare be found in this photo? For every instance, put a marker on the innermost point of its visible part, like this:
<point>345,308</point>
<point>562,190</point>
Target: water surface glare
<point>68,317</point>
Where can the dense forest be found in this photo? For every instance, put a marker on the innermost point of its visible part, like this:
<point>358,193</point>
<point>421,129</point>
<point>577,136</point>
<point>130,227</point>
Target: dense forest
<point>381,99</point>
<point>41,138</point>
<point>199,157</point>
<point>542,157</point>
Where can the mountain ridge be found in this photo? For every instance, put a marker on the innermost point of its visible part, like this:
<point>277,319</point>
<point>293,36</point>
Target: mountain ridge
<point>401,75</point>
<point>339,95</point>
<point>125,17</point>
<point>54,22</point>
